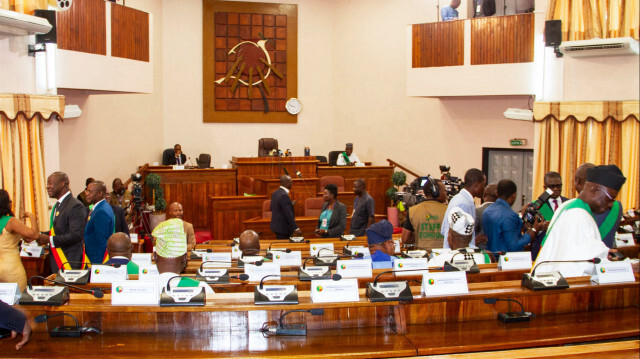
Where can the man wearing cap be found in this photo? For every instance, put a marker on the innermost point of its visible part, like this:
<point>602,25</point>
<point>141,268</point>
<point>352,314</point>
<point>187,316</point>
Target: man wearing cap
<point>381,244</point>
<point>573,233</point>
<point>459,236</point>
<point>607,221</point>
<point>171,255</point>
<point>347,158</point>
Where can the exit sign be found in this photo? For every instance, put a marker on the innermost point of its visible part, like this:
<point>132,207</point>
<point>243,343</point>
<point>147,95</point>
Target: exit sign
<point>518,142</point>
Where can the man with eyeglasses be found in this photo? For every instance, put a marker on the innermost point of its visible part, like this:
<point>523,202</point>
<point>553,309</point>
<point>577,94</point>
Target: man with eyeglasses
<point>573,233</point>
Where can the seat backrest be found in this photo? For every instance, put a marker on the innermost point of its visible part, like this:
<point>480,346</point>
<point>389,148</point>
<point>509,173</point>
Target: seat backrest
<point>265,145</point>
<point>313,207</point>
<point>247,185</point>
<point>336,180</point>
<point>333,157</point>
<point>266,209</point>
<point>204,160</point>
<point>166,156</point>
<point>321,159</point>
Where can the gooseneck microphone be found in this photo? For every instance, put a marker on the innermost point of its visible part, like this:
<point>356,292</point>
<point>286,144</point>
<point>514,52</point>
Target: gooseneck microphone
<point>592,260</point>
<point>511,317</point>
<point>287,250</point>
<point>96,292</point>
<point>334,277</point>
<point>340,255</point>
<point>375,281</point>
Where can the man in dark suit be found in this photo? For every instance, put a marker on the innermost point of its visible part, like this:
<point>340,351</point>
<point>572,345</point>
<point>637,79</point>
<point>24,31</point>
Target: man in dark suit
<point>120,217</point>
<point>100,223</point>
<point>68,218</point>
<point>553,181</point>
<point>14,320</point>
<point>178,158</point>
<point>283,222</point>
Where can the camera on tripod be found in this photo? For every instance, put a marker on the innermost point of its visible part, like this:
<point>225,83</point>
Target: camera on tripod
<point>136,191</point>
<point>453,185</point>
<point>533,210</point>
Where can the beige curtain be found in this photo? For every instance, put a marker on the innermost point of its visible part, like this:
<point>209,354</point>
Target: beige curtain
<point>22,151</point>
<point>588,19</point>
<point>572,133</point>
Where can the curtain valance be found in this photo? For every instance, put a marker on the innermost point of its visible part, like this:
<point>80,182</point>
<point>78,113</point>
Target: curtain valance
<point>582,111</point>
<point>30,106</point>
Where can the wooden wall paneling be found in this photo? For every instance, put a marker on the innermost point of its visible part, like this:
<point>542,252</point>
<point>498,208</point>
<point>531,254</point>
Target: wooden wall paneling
<point>273,167</point>
<point>83,27</point>
<point>300,191</point>
<point>227,214</point>
<point>129,33</point>
<point>502,39</point>
<point>438,44</point>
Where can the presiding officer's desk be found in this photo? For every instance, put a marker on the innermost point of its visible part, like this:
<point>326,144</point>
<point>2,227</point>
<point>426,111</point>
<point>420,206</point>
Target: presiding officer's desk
<point>430,325</point>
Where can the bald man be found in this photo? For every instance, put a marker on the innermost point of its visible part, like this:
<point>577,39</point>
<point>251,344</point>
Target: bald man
<point>249,242</point>
<point>175,211</point>
<point>119,249</point>
<point>100,223</point>
<point>607,221</point>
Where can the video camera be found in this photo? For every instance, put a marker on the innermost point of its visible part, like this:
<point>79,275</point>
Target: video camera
<point>136,191</point>
<point>452,184</point>
<point>533,210</point>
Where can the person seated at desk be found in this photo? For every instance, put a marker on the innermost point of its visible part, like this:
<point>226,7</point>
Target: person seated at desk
<point>175,211</point>
<point>333,216</point>
<point>461,227</point>
<point>381,244</point>
<point>249,243</point>
<point>119,249</point>
<point>171,255</point>
<point>347,158</point>
<point>178,158</point>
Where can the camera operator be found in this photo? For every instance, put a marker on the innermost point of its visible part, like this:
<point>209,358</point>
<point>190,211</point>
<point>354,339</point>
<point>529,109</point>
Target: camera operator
<point>553,181</point>
<point>474,182</point>
<point>503,226</point>
<point>424,220</point>
<point>121,197</point>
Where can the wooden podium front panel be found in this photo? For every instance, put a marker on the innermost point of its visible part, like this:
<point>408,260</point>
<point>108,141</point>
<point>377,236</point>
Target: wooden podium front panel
<point>377,178</point>
<point>272,167</point>
<point>192,188</point>
<point>227,214</point>
<point>300,191</point>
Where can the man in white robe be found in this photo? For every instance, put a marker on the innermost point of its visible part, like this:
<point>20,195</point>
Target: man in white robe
<point>573,233</point>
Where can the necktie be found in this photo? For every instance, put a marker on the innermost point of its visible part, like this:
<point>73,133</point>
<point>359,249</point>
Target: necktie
<point>555,204</point>
<point>178,161</point>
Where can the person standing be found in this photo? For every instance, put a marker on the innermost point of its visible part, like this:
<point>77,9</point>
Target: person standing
<point>553,181</point>
<point>283,221</point>
<point>449,13</point>
<point>422,226</point>
<point>121,196</point>
<point>11,231</point>
<point>364,208</point>
<point>82,197</point>
<point>100,223</point>
<point>68,218</point>
<point>333,215</point>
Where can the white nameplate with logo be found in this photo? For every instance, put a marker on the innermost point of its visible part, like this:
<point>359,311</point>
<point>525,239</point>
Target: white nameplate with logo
<point>354,250</point>
<point>9,293</point>
<point>134,292</point>
<point>107,274</point>
<point>141,258</point>
<point>314,248</point>
<point>30,251</point>
<point>355,268</point>
<point>515,260</point>
<point>284,259</point>
<point>614,272</point>
<point>176,167</point>
<point>134,237</point>
<point>236,252</point>
<point>332,291</point>
<point>400,265</point>
<point>148,272</point>
<point>444,283</point>
<point>624,239</point>
<point>438,251</point>
<point>256,273</point>
<point>220,259</point>
<point>397,247</point>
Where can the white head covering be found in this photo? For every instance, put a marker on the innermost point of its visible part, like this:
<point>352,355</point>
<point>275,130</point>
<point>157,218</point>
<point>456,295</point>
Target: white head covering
<point>460,221</point>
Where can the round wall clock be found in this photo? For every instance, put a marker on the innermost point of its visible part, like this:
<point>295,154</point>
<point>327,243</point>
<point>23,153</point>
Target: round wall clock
<point>293,106</point>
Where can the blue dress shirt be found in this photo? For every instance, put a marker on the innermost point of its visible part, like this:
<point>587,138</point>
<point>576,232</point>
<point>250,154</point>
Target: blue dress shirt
<point>381,260</point>
<point>448,13</point>
<point>502,226</point>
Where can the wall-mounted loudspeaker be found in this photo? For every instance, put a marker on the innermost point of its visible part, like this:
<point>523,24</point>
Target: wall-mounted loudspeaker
<point>51,37</point>
<point>553,33</point>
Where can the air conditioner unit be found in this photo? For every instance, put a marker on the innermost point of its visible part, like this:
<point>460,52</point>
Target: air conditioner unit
<point>600,47</point>
<point>18,24</point>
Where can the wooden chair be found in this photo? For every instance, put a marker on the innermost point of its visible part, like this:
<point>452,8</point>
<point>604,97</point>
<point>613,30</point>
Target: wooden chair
<point>246,185</point>
<point>266,209</point>
<point>336,180</point>
<point>313,206</point>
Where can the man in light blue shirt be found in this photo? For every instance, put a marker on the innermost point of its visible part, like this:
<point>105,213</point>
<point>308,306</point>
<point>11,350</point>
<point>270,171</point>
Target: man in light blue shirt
<point>449,13</point>
<point>474,182</point>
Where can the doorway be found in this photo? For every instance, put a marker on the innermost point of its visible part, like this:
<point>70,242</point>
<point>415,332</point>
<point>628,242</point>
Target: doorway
<point>513,164</point>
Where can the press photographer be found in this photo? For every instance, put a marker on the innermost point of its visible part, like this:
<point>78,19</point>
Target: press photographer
<point>423,222</point>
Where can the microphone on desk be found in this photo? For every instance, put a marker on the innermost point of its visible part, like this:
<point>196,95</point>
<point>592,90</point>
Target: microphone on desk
<point>298,240</point>
<point>96,292</point>
<point>319,260</point>
<point>279,294</point>
<point>61,331</point>
<point>391,291</point>
<point>51,295</point>
<point>550,280</point>
<point>511,317</point>
<point>280,249</point>
<point>74,276</point>
<point>335,277</point>
<point>295,329</point>
<point>468,264</point>
<point>357,255</point>
<point>217,275</point>
<point>185,296</point>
